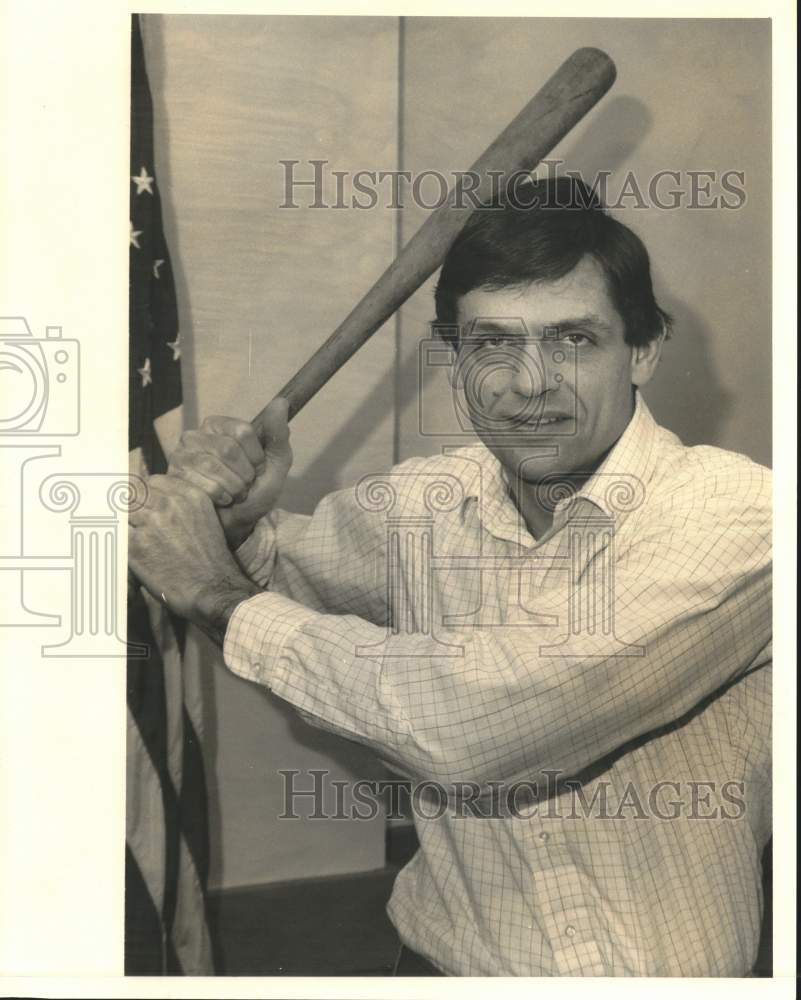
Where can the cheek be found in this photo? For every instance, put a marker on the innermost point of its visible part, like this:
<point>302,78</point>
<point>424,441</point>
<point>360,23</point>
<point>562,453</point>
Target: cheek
<point>602,384</point>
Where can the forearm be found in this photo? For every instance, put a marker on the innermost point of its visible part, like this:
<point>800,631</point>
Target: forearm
<point>256,553</point>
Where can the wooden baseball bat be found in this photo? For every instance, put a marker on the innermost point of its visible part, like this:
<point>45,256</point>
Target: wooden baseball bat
<point>578,84</point>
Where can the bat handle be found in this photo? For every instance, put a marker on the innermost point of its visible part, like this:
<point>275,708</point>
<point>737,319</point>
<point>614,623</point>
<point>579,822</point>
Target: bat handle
<point>295,392</point>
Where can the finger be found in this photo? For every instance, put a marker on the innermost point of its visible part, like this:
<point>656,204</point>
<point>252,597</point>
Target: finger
<point>241,431</point>
<point>165,489</point>
<point>225,448</point>
<point>158,492</point>
<point>220,486</point>
<point>157,488</point>
<point>209,473</point>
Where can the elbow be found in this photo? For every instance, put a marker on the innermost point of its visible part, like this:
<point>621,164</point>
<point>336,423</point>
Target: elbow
<point>462,767</point>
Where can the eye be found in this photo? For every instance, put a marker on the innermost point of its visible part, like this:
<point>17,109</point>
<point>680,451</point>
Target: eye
<point>577,339</point>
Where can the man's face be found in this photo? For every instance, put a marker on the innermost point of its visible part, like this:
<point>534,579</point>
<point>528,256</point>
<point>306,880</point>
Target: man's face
<point>547,375</point>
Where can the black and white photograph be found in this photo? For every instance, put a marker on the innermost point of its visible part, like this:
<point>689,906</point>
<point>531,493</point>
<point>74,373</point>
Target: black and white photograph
<point>433,591</point>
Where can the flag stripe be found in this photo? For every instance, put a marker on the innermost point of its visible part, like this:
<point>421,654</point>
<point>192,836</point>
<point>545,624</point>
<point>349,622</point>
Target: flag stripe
<point>194,804</point>
<point>167,644</point>
<point>190,937</point>
<point>145,812</point>
<point>147,701</point>
<point>143,931</point>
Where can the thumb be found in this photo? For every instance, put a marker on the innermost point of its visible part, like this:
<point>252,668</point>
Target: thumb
<point>273,428</point>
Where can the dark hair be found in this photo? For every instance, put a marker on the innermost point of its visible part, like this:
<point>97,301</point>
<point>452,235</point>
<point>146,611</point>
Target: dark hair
<point>541,235</point>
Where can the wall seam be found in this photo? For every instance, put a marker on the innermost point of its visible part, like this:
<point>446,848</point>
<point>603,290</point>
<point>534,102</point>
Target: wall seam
<point>398,242</point>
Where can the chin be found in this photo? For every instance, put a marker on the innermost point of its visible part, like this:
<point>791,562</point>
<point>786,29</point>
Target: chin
<point>531,467</point>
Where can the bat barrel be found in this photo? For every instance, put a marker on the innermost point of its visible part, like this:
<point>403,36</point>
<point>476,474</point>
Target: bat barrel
<point>575,88</point>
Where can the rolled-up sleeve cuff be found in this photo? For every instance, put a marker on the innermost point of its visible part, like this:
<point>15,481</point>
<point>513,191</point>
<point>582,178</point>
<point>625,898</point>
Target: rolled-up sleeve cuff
<point>258,631</point>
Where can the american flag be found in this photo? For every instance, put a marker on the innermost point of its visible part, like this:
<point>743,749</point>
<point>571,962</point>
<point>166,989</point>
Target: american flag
<point>167,851</point>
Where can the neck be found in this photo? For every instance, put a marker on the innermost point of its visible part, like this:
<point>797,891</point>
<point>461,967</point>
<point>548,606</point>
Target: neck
<point>538,518</point>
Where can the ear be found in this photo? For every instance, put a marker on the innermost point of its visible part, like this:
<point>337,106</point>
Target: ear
<point>644,360</point>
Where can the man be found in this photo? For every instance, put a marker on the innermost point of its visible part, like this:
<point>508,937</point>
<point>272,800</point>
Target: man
<point>586,676</point>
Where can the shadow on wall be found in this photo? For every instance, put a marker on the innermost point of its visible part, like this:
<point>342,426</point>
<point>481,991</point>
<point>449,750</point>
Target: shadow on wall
<point>611,137</point>
<point>686,394</point>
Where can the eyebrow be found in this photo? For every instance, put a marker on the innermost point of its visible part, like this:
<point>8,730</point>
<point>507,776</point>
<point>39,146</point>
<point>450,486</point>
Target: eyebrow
<point>514,325</point>
<point>575,322</point>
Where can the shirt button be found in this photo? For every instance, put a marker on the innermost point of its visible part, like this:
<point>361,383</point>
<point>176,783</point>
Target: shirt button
<point>544,837</point>
<point>570,930</point>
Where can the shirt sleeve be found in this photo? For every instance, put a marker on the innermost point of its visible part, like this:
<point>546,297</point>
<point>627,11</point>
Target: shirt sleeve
<point>693,591</point>
<point>256,555</point>
<point>329,561</point>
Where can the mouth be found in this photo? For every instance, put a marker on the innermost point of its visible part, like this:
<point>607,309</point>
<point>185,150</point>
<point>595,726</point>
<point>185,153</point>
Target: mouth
<point>537,423</point>
<point>544,421</point>
<point>527,423</point>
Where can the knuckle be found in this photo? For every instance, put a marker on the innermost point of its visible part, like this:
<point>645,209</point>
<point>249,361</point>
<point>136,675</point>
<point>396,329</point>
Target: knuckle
<point>242,430</point>
<point>196,494</point>
<point>229,449</point>
<point>189,439</point>
<point>205,463</point>
<point>217,493</point>
<point>211,467</point>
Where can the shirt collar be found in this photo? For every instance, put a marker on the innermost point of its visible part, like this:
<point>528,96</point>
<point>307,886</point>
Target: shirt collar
<point>618,485</point>
<point>616,488</point>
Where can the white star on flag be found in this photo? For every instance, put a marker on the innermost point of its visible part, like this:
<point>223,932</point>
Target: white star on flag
<point>144,182</point>
<point>133,233</point>
<point>144,371</point>
<point>156,265</point>
<point>176,346</point>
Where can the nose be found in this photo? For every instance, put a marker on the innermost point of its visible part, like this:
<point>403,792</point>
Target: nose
<point>514,381</point>
<point>530,376</point>
<point>537,374</point>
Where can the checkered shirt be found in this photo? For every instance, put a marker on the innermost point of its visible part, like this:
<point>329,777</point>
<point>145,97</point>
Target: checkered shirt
<point>585,717</point>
